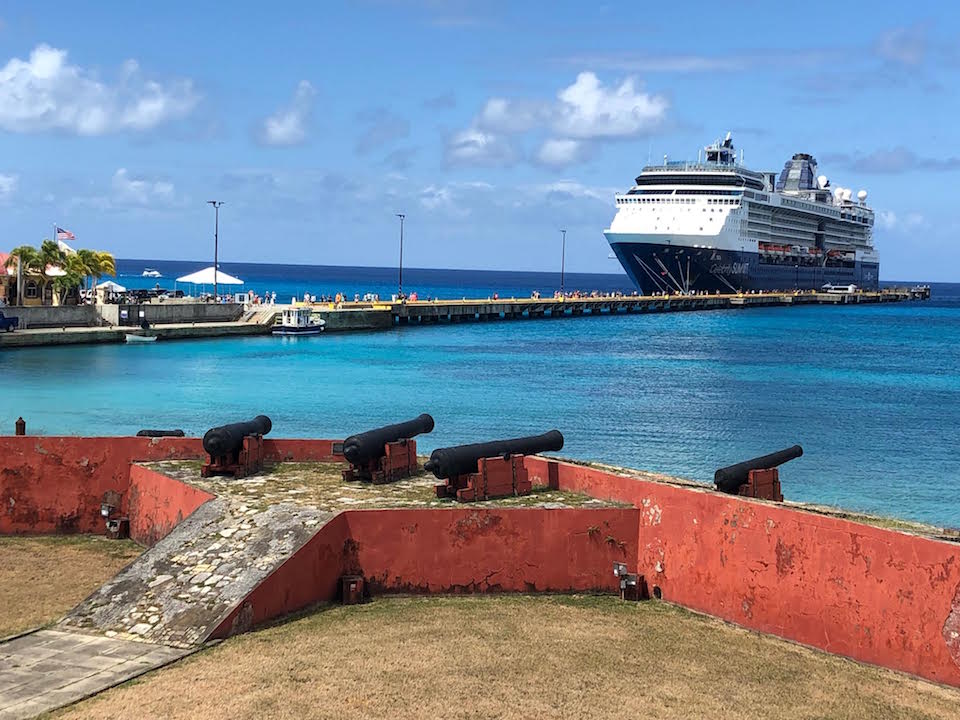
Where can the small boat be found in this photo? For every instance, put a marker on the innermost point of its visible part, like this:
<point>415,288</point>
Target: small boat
<point>134,338</point>
<point>150,272</point>
<point>839,289</point>
<point>298,321</point>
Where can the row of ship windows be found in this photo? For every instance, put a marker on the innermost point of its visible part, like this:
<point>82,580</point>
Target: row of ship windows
<point>671,200</point>
<point>680,201</point>
<point>808,206</point>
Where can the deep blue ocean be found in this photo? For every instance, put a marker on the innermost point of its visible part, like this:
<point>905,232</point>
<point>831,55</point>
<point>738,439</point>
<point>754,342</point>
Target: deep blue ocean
<point>871,392</point>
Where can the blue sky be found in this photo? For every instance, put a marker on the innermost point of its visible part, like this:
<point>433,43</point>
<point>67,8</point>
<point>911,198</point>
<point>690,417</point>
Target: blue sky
<point>491,125</point>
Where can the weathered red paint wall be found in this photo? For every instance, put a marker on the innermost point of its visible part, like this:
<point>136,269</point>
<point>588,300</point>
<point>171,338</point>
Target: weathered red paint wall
<point>158,503</point>
<point>296,450</point>
<point>876,595</point>
<point>56,484</point>
<point>308,576</point>
<point>430,551</point>
<point>491,549</point>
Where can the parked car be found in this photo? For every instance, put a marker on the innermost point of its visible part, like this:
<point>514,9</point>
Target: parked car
<point>8,324</point>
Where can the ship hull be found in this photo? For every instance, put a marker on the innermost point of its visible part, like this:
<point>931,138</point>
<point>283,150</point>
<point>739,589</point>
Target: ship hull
<point>661,268</point>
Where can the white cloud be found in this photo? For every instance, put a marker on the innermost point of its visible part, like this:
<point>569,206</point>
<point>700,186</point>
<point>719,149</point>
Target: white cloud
<point>889,220</point>
<point>287,126</point>
<point>46,93</point>
<point>476,147</point>
<point>590,110</point>
<point>500,115</point>
<point>585,112</point>
<point>127,191</point>
<point>433,197</point>
<point>8,186</point>
<point>574,189</point>
<point>143,192</point>
<point>561,152</point>
<point>456,199</point>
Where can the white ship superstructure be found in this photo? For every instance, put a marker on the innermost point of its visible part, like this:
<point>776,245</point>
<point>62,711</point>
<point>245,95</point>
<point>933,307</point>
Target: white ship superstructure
<point>716,225</point>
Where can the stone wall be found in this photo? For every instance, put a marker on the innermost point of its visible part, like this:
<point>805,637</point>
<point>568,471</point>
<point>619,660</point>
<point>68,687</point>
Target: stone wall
<point>55,317</point>
<point>171,312</point>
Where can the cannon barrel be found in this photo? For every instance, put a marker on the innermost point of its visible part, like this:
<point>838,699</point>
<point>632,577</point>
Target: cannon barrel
<point>728,479</point>
<point>228,439</point>
<point>450,462</point>
<point>160,433</point>
<point>366,446</point>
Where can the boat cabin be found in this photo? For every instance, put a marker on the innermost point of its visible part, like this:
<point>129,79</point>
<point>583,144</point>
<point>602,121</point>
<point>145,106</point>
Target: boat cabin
<point>296,317</point>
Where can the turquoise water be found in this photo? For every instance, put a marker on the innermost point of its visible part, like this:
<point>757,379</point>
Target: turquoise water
<point>872,392</point>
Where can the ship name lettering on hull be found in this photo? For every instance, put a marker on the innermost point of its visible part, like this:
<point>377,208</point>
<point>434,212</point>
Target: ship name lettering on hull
<point>737,268</point>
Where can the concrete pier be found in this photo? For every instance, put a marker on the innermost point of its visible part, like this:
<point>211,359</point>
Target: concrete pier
<point>381,316</point>
<point>92,335</point>
<point>359,316</point>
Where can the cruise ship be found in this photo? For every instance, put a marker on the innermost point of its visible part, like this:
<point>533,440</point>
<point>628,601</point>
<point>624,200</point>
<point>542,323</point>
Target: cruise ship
<point>715,226</point>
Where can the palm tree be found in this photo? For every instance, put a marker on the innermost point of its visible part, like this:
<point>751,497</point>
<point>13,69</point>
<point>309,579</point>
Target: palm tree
<point>96,264</point>
<point>89,260</point>
<point>74,271</point>
<point>52,256</point>
<point>105,265</point>
<point>31,264</point>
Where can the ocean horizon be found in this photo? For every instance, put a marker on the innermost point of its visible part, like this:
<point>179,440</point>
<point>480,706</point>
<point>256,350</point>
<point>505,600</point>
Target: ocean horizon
<point>293,280</point>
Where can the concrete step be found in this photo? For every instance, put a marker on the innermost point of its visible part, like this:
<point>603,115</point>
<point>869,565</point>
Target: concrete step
<point>181,589</point>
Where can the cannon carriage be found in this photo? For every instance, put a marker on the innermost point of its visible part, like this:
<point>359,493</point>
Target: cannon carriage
<point>387,453</point>
<point>758,477</point>
<point>236,449</point>
<point>482,471</point>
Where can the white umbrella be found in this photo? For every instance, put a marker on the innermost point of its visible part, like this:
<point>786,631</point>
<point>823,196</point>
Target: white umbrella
<point>111,286</point>
<point>205,277</point>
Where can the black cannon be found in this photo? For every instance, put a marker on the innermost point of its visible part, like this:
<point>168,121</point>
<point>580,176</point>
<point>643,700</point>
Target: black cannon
<point>449,462</point>
<point>160,433</point>
<point>236,449</point>
<point>371,445</point>
<point>228,438</point>
<point>729,479</point>
<point>488,470</point>
<point>385,454</point>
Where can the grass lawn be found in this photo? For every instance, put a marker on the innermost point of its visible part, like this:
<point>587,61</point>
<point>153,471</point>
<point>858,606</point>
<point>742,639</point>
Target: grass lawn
<point>516,657</point>
<point>41,578</point>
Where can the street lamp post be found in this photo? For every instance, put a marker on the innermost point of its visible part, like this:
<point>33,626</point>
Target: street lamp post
<point>563,258</point>
<point>216,242</point>
<point>400,277</point>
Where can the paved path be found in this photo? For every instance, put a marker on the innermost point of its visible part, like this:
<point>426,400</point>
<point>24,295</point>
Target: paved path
<point>48,669</point>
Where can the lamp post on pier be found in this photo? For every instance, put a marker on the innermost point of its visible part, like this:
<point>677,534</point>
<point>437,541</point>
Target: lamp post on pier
<point>216,242</point>
<point>400,277</point>
<point>563,258</point>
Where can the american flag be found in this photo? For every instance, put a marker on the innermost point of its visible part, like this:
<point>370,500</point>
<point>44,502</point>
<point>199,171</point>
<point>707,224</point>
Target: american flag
<point>65,234</point>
